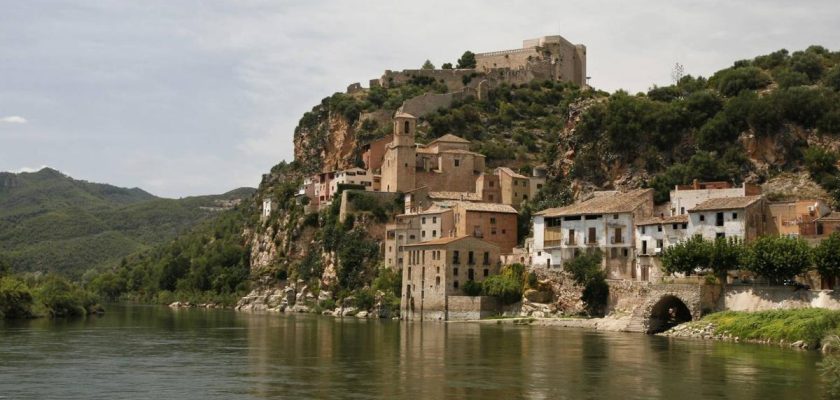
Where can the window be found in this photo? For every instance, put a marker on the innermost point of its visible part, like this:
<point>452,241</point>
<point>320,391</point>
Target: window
<point>455,271</point>
<point>625,252</point>
<point>618,238</point>
<point>486,258</point>
<point>493,220</point>
<point>437,281</point>
<point>437,270</point>
<point>455,257</point>
<point>720,235</point>
<point>734,215</point>
<point>457,162</point>
<point>493,230</point>
<point>674,226</point>
<point>613,252</point>
<point>659,228</point>
<point>492,183</point>
<point>434,233</point>
<point>615,216</point>
<point>571,236</point>
<point>409,271</point>
<point>702,217</point>
<point>423,234</point>
<point>455,284</point>
<point>659,244</point>
<point>504,231</point>
<point>434,220</point>
<point>685,226</point>
<point>592,235</point>
<point>470,274</point>
<point>682,210</point>
<point>719,219</point>
<point>644,247</point>
<point>470,258</point>
<point>486,272</point>
<point>539,186</point>
<point>643,230</point>
<point>423,220</point>
<point>412,237</point>
<point>524,197</point>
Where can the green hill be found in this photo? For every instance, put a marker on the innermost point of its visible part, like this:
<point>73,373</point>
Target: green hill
<point>51,222</point>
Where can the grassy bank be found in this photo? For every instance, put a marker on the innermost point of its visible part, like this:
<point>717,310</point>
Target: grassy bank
<point>810,325</point>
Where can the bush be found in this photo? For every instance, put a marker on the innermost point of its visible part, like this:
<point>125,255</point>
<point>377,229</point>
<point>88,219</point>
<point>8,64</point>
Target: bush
<point>732,81</point>
<point>15,298</point>
<point>467,60</point>
<point>827,256</point>
<point>61,298</point>
<point>472,288</point>
<point>506,288</point>
<point>586,271</point>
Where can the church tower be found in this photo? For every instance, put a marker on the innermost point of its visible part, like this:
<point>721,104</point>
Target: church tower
<point>400,161</point>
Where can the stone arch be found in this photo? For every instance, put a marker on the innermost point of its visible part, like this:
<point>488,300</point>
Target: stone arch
<point>668,311</point>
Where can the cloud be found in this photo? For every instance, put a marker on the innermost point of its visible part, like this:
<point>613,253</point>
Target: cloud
<point>13,119</point>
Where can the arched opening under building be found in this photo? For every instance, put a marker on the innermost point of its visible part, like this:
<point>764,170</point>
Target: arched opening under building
<point>668,312</point>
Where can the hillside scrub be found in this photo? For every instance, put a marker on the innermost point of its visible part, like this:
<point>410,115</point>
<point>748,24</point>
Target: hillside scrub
<point>29,296</point>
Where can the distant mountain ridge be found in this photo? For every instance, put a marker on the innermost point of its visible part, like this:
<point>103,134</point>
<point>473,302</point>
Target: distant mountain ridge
<point>52,222</point>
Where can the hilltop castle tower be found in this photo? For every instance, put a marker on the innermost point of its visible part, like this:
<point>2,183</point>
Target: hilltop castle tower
<point>399,167</point>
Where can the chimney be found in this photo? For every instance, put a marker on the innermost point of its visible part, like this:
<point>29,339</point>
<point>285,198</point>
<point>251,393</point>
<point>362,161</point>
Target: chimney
<point>695,184</point>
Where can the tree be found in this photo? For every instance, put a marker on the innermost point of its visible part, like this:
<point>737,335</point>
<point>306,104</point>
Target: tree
<point>586,271</point>
<point>467,60</point>
<point>727,254</point>
<point>446,66</point>
<point>677,73</point>
<point>778,258</point>
<point>428,65</point>
<point>687,257</point>
<point>508,285</point>
<point>827,256</point>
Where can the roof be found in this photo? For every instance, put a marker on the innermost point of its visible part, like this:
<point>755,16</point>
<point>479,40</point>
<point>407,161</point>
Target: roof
<point>726,203</point>
<point>468,196</point>
<point>614,203</point>
<point>511,172</point>
<point>673,219</point>
<point>832,216</point>
<point>458,151</point>
<point>450,138</point>
<point>449,240</point>
<point>401,114</point>
<point>486,207</point>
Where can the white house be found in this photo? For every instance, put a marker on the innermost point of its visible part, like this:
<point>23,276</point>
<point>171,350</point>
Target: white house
<point>604,222</point>
<point>352,176</point>
<point>686,197</point>
<point>654,235</point>
<point>267,208</point>
<point>740,217</point>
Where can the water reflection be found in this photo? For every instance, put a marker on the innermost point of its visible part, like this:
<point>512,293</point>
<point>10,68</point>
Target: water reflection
<point>143,352</point>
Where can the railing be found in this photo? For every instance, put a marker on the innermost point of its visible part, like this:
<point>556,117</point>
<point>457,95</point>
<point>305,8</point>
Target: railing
<point>502,52</point>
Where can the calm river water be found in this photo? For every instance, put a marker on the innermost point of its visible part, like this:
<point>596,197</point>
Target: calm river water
<point>146,352</point>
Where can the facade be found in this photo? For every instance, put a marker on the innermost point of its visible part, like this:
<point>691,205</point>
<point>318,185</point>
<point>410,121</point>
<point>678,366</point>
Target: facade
<point>494,223</point>
<point>403,231</point>
<point>740,217</point>
<point>373,153</point>
<point>352,176</point>
<point>828,224</point>
<point>605,222</point>
<point>654,235</point>
<point>437,270</point>
<point>399,161</point>
<point>515,188</point>
<point>686,197</point>
<point>560,59</point>
<point>796,218</point>
<point>488,188</point>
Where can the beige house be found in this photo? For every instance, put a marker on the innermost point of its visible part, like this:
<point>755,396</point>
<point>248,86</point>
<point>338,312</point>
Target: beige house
<point>436,270</point>
<point>796,218</point>
<point>495,223</point>
<point>515,187</point>
<point>654,235</point>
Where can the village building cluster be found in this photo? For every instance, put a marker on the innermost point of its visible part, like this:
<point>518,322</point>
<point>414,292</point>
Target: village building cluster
<point>459,222</point>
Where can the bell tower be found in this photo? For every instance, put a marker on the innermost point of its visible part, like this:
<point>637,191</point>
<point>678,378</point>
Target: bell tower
<point>399,166</point>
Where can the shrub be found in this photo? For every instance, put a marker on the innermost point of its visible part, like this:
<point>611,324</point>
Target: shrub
<point>15,298</point>
<point>472,288</point>
<point>467,60</point>
<point>832,78</point>
<point>732,81</point>
<point>506,288</point>
<point>586,271</point>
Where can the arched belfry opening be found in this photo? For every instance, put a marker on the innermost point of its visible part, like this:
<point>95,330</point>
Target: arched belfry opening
<point>668,312</point>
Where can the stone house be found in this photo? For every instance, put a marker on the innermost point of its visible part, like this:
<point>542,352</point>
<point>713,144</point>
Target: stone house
<point>495,223</point>
<point>605,222</point>
<point>741,217</point>
<point>403,231</point>
<point>653,235</point>
<point>488,187</point>
<point>686,197</point>
<point>436,270</point>
<point>373,153</point>
<point>796,218</point>
<point>515,187</point>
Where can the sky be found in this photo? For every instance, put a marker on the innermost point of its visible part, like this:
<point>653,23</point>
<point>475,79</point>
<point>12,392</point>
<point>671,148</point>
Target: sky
<point>193,97</point>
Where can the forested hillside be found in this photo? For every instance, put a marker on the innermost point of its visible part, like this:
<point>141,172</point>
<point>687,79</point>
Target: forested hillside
<point>50,222</point>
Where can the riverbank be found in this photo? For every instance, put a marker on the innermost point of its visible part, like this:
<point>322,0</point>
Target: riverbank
<point>797,328</point>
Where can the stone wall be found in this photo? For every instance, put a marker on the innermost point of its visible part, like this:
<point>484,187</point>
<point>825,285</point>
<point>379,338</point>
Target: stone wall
<point>471,307</point>
<point>762,298</point>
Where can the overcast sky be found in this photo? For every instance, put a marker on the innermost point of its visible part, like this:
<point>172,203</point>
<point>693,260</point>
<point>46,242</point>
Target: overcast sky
<point>194,97</point>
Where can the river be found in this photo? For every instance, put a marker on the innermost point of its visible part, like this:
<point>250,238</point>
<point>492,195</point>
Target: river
<point>149,352</point>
